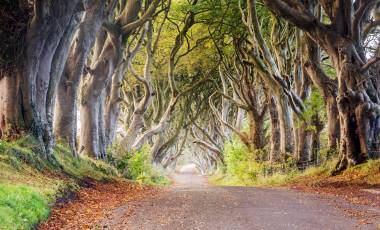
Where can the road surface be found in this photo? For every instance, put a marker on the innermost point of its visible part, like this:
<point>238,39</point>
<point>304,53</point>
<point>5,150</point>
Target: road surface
<point>191,203</point>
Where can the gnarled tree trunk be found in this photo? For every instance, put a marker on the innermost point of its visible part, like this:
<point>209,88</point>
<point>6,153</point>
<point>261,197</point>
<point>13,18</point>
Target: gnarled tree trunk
<point>11,119</point>
<point>275,153</point>
<point>358,96</point>
<point>65,120</point>
<point>45,55</point>
<point>112,109</point>
<point>98,79</point>
<point>256,129</point>
<point>101,71</point>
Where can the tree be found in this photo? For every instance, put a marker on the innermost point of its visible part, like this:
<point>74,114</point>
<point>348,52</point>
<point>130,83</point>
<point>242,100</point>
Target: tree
<point>342,39</point>
<point>101,71</point>
<point>65,125</point>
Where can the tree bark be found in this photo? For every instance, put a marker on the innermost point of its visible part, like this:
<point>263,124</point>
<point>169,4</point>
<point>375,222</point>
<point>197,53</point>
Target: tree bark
<point>46,31</point>
<point>256,130</point>
<point>316,138</point>
<point>101,125</point>
<point>65,120</point>
<point>112,109</point>
<point>11,119</point>
<point>275,153</point>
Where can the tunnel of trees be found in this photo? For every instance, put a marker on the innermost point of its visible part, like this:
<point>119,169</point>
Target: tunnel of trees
<point>288,79</point>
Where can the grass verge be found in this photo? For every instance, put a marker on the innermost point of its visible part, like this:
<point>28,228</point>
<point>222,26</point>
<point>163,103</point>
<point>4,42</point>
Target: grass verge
<point>367,174</point>
<point>28,184</point>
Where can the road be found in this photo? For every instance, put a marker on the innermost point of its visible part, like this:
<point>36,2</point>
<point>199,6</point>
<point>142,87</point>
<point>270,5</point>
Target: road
<point>191,203</point>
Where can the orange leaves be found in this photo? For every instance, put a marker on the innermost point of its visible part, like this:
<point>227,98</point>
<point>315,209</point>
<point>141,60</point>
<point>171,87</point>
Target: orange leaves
<point>94,204</point>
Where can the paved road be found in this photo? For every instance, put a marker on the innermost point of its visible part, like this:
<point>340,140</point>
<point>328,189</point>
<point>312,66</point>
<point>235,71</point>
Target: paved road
<point>193,204</point>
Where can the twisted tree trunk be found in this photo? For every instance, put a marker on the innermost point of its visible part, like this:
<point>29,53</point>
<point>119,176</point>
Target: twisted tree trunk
<point>112,109</point>
<point>256,129</point>
<point>46,52</point>
<point>91,103</point>
<point>303,132</point>
<point>358,96</point>
<point>11,119</point>
<point>65,120</point>
<point>358,105</point>
<point>275,153</point>
<point>102,70</point>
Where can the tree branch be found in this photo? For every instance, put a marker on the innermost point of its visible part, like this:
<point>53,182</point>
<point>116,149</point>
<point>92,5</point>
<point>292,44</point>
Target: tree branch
<point>144,18</point>
<point>371,62</point>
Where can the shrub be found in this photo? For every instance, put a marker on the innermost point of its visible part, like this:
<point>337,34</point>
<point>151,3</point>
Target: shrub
<point>139,163</point>
<point>240,162</point>
<point>138,166</point>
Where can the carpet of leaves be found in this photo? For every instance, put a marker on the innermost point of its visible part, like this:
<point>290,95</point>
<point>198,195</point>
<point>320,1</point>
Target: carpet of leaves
<point>348,186</point>
<point>94,203</point>
<point>351,188</point>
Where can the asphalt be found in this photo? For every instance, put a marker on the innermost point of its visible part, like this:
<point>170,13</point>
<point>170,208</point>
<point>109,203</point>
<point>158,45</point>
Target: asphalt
<point>191,203</point>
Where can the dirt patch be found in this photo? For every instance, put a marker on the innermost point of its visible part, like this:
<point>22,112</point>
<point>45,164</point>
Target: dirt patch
<point>94,203</point>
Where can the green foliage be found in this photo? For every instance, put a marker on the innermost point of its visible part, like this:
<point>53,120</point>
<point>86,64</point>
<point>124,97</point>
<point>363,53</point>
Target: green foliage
<point>243,168</point>
<point>139,163</point>
<point>240,163</point>
<point>314,105</point>
<point>265,174</point>
<point>21,207</point>
<point>138,166</point>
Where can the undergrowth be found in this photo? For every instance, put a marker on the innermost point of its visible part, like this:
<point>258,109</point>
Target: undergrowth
<point>242,169</point>
<point>28,183</point>
<point>137,165</point>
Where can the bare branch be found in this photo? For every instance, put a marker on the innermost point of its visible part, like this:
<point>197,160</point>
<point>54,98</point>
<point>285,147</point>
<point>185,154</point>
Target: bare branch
<point>371,62</point>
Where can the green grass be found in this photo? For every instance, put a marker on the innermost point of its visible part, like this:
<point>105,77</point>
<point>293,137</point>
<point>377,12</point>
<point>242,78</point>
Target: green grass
<point>84,166</point>
<point>21,207</point>
<point>28,183</point>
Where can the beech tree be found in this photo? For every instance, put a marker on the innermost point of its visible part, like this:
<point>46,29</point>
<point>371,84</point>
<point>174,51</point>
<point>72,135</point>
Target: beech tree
<point>101,71</point>
<point>47,39</point>
<point>176,94</point>
<point>342,38</point>
<point>65,125</point>
<point>193,76</point>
